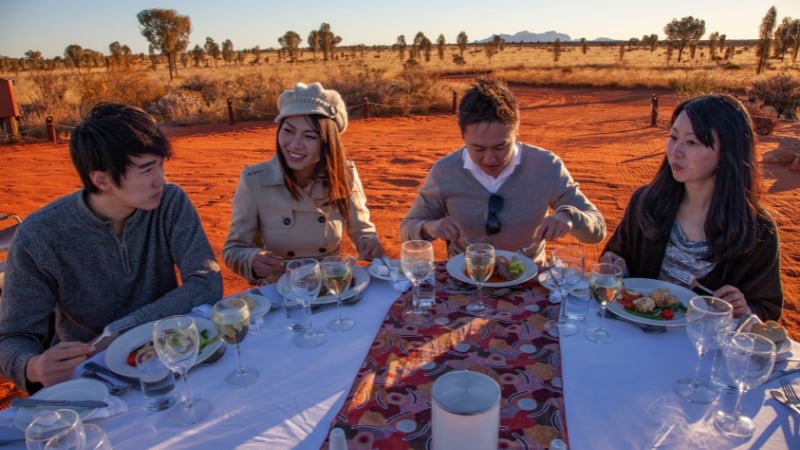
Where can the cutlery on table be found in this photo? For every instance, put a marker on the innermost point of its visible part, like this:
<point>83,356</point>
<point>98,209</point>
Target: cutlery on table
<point>113,387</point>
<point>781,398</point>
<point>788,390</point>
<point>110,373</point>
<point>644,327</point>
<point>34,402</point>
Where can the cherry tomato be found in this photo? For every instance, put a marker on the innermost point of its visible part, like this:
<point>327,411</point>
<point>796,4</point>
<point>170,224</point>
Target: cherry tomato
<point>132,358</point>
<point>667,314</point>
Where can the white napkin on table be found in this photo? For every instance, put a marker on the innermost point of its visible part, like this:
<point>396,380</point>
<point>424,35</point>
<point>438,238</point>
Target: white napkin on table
<point>401,284</point>
<point>115,406</point>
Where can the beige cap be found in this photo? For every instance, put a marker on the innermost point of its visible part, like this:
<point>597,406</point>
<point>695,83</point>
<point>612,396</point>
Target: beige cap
<point>310,99</point>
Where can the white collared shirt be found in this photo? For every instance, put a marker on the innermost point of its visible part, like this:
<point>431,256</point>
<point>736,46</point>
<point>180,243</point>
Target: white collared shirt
<point>491,183</point>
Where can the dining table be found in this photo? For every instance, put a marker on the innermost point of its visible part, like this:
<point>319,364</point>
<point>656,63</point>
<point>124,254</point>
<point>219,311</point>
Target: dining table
<point>373,382</point>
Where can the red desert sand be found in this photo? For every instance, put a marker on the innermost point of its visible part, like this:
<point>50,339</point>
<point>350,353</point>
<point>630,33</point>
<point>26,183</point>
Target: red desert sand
<point>603,135</point>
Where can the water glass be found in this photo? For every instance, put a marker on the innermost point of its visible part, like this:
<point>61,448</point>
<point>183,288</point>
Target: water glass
<point>416,261</point>
<point>426,291</point>
<point>60,428</point>
<point>295,314</point>
<point>157,381</point>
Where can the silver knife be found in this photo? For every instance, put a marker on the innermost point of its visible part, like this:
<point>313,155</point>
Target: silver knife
<point>34,402</point>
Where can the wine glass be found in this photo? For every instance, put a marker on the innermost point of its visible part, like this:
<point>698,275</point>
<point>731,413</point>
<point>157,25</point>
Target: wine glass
<point>416,260</point>
<point>480,266</point>
<point>55,429</point>
<point>231,318</point>
<point>605,282</point>
<point>566,270</point>
<point>749,358</point>
<point>304,280</point>
<point>177,343</point>
<point>337,272</point>
<point>706,316</point>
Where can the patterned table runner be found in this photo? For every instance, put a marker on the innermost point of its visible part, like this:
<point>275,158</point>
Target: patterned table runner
<point>389,404</point>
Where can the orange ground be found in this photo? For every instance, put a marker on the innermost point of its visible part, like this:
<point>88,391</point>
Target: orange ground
<point>604,136</point>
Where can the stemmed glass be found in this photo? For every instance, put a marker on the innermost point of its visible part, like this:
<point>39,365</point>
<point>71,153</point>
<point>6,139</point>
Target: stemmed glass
<point>749,358</point>
<point>705,317</point>
<point>231,317</point>
<point>416,260</point>
<point>566,270</point>
<point>605,282</point>
<point>305,280</point>
<point>177,343</point>
<point>55,429</point>
<point>337,272</point>
<point>480,266</point>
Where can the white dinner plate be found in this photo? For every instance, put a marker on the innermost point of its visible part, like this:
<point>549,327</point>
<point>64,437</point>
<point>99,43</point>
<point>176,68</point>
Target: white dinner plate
<point>378,270</point>
<point>645,286</point>
<point>456,266</point>
<point>78,389</point>
<point>361,281</point>
<point>117,353</point>
<point>262,304</point>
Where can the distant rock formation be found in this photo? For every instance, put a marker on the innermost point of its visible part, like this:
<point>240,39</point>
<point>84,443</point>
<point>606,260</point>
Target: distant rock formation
<point>527,36</point>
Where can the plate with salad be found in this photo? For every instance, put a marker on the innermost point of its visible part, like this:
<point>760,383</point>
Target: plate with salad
<point>510,269</point>
<point>121,354</point>
<point>652,302</point>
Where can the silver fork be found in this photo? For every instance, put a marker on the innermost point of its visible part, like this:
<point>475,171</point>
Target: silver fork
<point>691,281</point>
<point>115,327</point>
<point>788,389</point>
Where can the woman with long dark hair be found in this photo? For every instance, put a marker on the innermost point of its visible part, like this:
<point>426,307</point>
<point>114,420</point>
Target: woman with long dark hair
<point>701,214</point>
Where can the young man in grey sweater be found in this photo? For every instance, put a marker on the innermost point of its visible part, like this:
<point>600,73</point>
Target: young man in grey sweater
<point>112,250</point>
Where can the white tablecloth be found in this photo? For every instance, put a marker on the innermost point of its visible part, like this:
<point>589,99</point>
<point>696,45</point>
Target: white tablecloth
<point>619,395</point>
<point>291,407</point>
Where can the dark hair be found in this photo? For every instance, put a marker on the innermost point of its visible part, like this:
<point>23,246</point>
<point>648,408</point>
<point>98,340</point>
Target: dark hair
<point>331,167</point>
<point>732,220</point>
<point>107,138</point>
<point>488,100</point>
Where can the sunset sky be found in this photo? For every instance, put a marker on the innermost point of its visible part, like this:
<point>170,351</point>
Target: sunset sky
<point>50,25</point>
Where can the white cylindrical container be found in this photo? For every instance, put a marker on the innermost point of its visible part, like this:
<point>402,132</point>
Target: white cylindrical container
<point>466,411</point>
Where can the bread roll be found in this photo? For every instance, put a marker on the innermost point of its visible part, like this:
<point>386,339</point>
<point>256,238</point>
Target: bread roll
<point>771,330</point>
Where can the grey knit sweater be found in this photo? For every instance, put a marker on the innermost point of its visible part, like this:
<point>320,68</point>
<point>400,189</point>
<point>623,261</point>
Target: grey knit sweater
<point>69,274</point>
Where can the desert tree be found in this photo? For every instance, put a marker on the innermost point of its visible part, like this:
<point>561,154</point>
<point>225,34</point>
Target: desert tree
<point>556,50</point>
<point>228,52</point>
<point>290,44</point>
<point>313,43</point>
<point>461,41</point>
<point>33,59</point>
<point>765,37</point>
<point>328,41</point>
<point>421,47</point>
<point>440,46</point>
<point>684,32</point>
<point>651,42</point>
<point>786,37</point>
<point>713,42</point>
<point>212,50</point>
<point>167,31</point>
<point>74,53</point>
<point>198,55</point>
<point>120,54</point>
<point>584,46</point>
<point>794,38</point>
<point>400,47</point>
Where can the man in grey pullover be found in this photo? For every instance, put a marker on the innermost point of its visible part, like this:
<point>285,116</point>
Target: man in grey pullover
<point>112,250</point>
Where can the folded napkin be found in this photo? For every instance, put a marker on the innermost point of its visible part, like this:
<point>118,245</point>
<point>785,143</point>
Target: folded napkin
<point>204,311</point>
<point>115,406</point>
<point>399,283</point>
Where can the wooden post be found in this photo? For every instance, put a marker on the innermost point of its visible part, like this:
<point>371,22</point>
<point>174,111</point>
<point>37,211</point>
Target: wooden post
<point>230,111</point>
<point>366,107</point>
<point>654,110</point>
<point>51,128</point>
<point>455,96</point>
<point>14,130</point>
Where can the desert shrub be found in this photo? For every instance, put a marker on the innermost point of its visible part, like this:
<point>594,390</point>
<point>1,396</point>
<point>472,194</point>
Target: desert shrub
<point>255,95</point>
<point>765,118</point>
<point>781,92</point>
<point>731,66</point>
<point>693,84</point>
<point>124,87</point>
<point>210,89</point>
<point>181,106</point>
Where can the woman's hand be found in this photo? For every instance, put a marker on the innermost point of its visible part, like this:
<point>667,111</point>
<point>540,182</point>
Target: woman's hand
<point>266,264</point>
<point>369,247</point>
<point>613,258</point>
<point>735,297</point>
